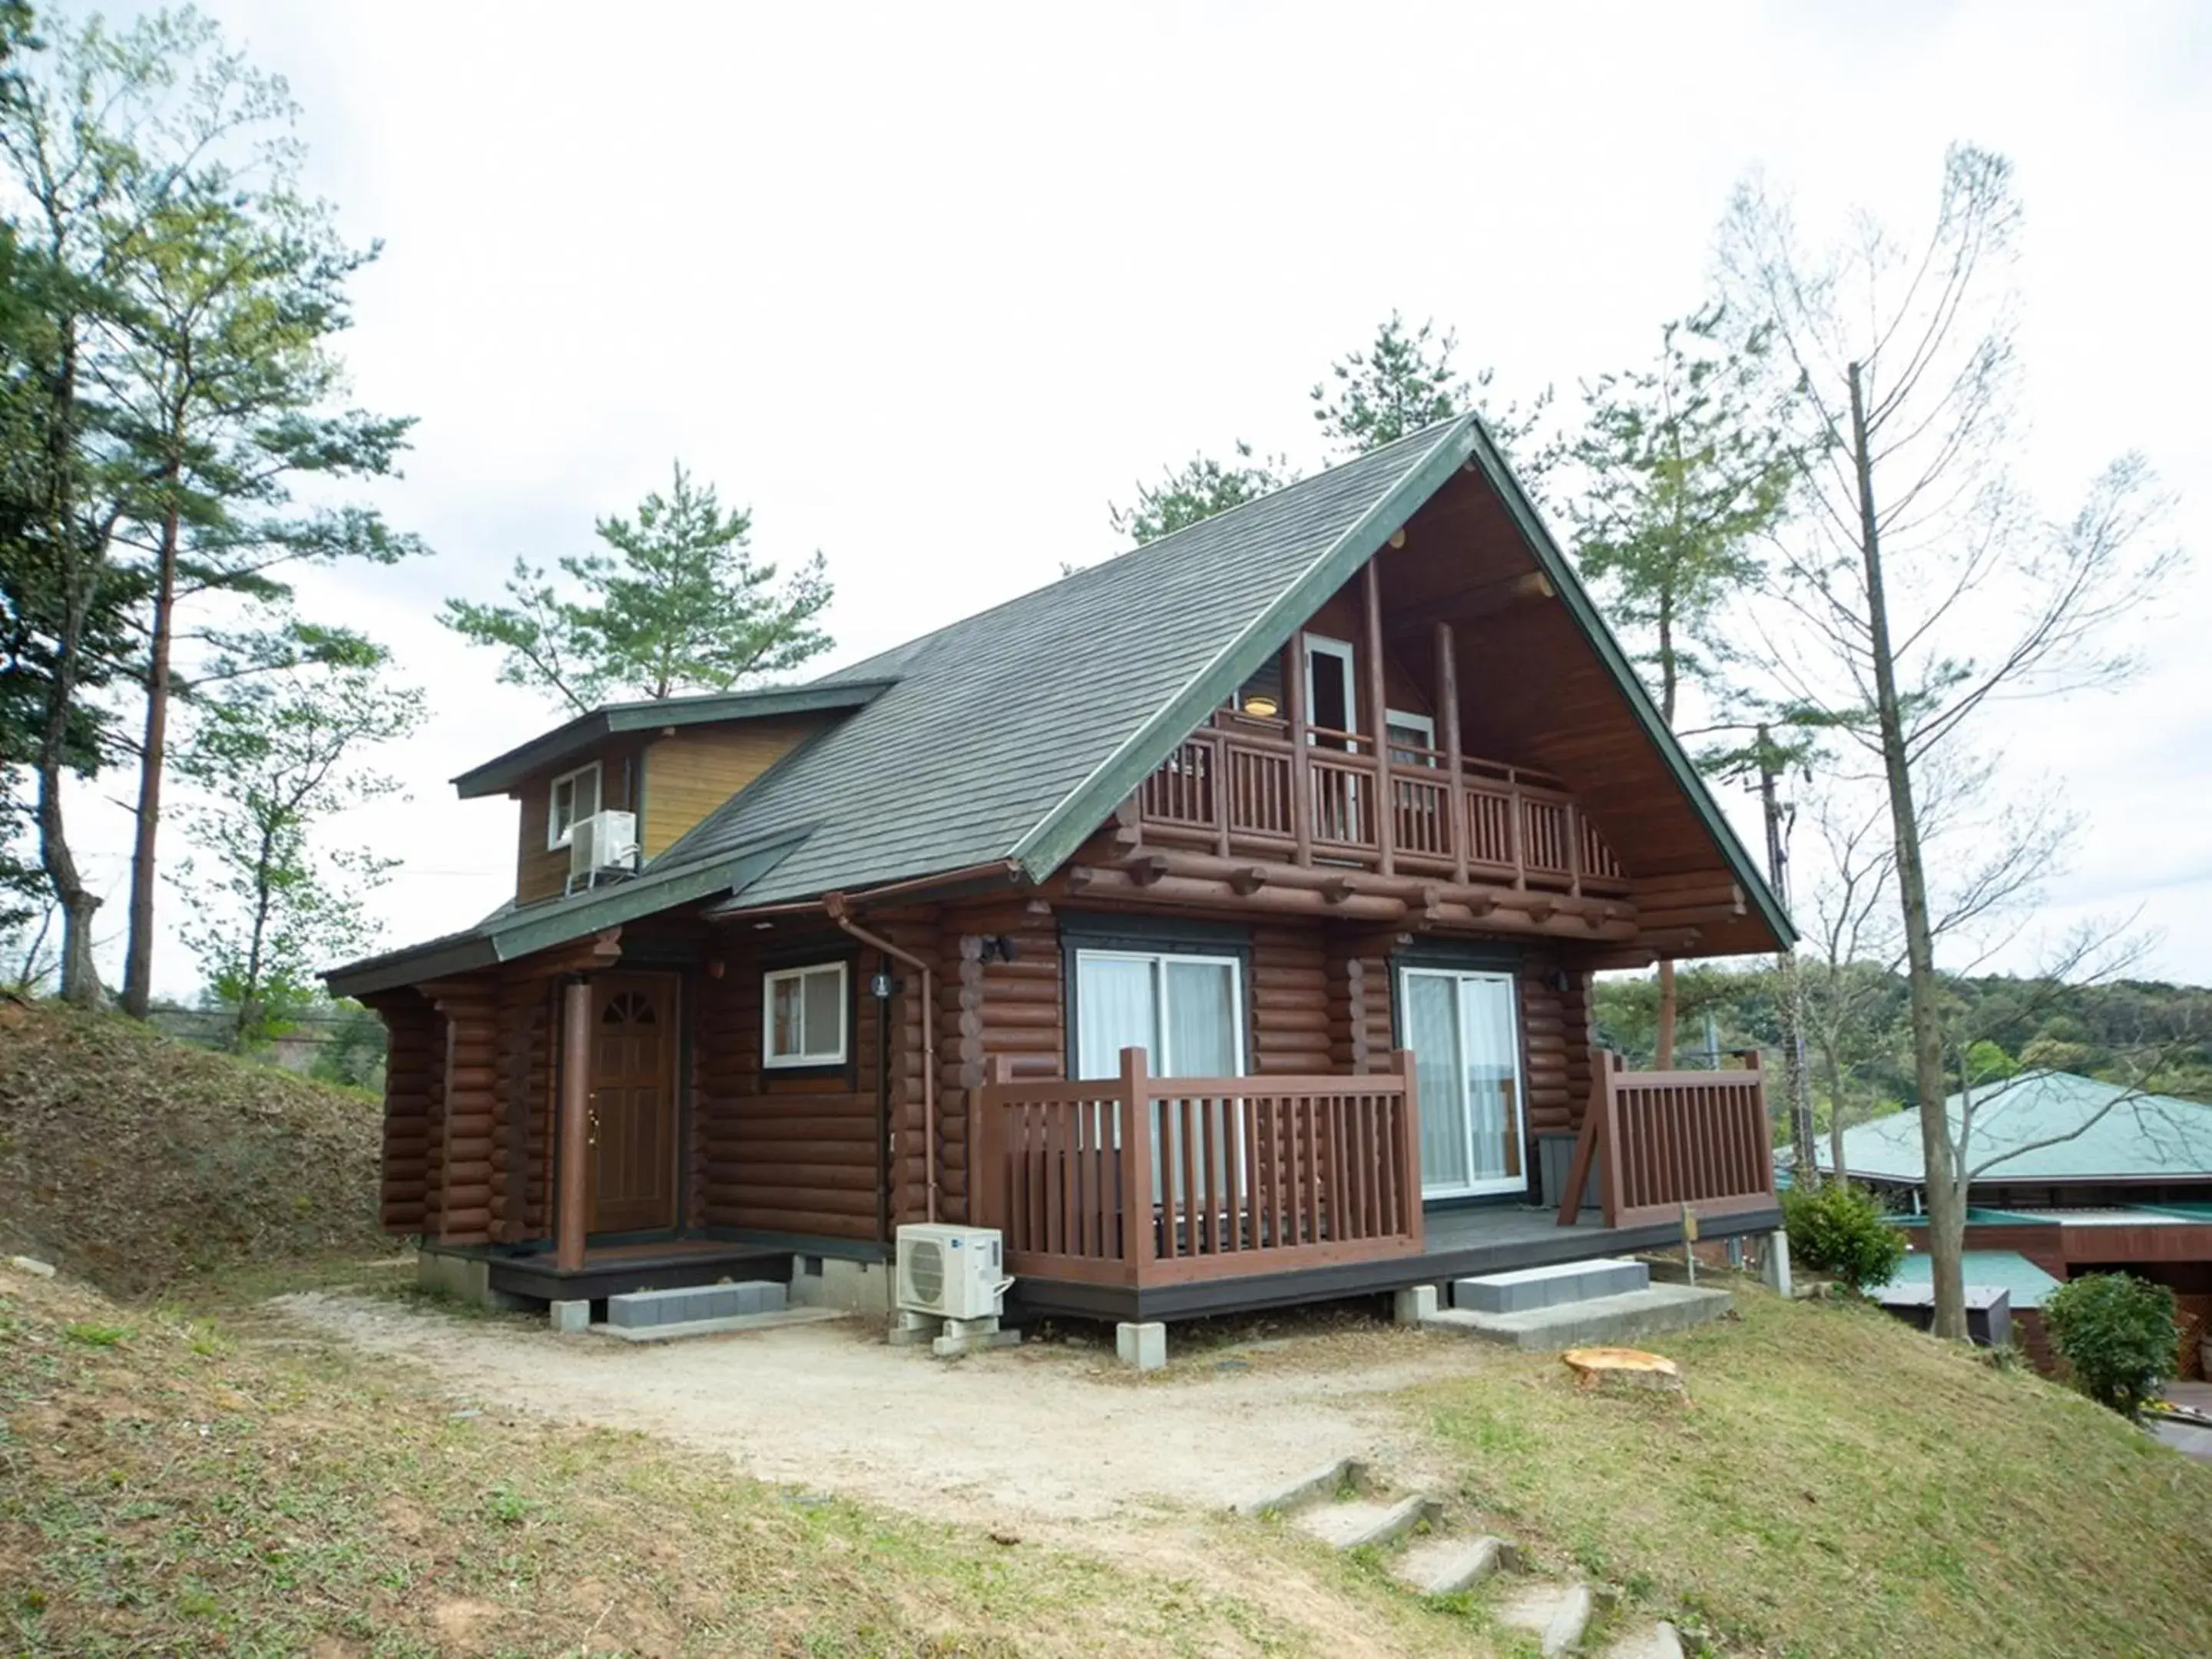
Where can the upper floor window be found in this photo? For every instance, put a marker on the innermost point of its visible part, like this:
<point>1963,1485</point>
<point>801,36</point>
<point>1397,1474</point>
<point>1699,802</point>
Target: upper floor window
<point>804,1015</point>
<point>1413,738</point>
<point>574,795</point>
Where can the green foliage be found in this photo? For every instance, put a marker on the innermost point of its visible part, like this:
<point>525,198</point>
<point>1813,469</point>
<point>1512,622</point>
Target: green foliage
<point>680,605</point>
<point>1988,1063</point>
<point>1684,469</point>
<point>1200,489</point>
<point>1405,380</point>
<point>352,1049</point>
<point>1843,1230</point>
<point>274,757</point>
<point>2117,1333</point>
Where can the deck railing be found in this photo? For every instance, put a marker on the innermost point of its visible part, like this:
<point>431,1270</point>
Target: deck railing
<point>1221,1177</point>
<point>1662,1140</point>
<point>1237,790</point>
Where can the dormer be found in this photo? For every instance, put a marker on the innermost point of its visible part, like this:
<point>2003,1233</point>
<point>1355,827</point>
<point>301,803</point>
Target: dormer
<point>670,761</point>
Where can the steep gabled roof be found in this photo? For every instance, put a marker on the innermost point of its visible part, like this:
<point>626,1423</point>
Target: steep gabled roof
<point>586,731</point>
<point>2064,1127</point>
<point>1007,738</point>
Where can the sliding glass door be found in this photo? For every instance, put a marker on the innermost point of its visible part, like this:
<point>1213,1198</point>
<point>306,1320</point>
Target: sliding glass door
<point>1466,1040</point>
<point>1186,1013</point>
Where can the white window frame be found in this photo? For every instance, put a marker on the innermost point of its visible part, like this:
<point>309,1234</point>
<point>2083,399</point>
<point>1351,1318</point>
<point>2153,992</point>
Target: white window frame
<point>1163,1062</point>
<point>772,1060</point>
<point>1459,977</point>
<point>1320,645</point>
<point>556,839</point>
<point>1423,724</point>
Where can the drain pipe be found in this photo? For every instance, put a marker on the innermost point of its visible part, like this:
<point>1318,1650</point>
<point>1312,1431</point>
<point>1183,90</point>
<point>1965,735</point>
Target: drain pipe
<point>840,913</point>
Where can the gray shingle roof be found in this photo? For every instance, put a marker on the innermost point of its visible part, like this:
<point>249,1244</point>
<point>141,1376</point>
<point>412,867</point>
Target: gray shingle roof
<point>1000,720</point>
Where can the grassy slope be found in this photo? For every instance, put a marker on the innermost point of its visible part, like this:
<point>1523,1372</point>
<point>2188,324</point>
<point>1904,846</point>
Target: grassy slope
<point>1840,1485</point>
<point>141,1163</point>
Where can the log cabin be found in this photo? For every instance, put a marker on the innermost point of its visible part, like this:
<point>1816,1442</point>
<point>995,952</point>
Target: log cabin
<point>1218,922</point>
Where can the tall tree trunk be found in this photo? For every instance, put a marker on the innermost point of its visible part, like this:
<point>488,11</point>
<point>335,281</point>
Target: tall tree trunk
<point>1946,1208</point>
<point>1662,1054</point>
<point>1834,1068</point>
<point>79,974</point>
<point>1796,1079</point>
<point>138,955</point>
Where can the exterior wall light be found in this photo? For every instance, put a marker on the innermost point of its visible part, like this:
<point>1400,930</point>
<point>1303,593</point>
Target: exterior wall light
<point>1264,707</point>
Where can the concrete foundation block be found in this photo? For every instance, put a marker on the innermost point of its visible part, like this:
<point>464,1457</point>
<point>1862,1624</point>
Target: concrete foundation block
<point>1413,1304</point>
<point>1775,1268</point>
<point>1143,1346</point>
<point>960,1336</point>
<point>568,1317</point>
<point>862,1287</point>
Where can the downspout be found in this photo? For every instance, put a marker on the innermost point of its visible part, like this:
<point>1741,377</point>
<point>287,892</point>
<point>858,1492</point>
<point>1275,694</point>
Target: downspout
<point>839,911</point>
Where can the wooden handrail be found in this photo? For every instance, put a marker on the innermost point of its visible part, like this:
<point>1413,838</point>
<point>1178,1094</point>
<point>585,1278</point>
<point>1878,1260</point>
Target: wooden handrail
<point>1136,1180</point>
<point>1663,1140</point>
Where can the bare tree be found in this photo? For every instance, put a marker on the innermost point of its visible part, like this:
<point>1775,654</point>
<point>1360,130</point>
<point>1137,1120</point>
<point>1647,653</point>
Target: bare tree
<point>1922,584</point>
<point>1853,933</point>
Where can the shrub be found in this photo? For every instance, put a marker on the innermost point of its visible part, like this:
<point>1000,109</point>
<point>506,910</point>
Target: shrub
<point>2117,1333</point>
<point>1842,1229</point>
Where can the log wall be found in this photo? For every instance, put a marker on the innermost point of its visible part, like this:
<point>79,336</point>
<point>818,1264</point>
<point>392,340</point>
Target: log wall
<point>782,1153</point>
<point>411,1078</point>
<point>986,1009</point>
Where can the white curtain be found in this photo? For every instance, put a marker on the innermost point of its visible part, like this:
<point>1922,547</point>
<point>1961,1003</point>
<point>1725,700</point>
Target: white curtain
<point>1432,1011</point>
<point>1492,1068</point>
<point>1116,1008</point>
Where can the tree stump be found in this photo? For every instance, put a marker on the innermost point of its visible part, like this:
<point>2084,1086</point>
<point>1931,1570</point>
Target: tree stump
<point>1632,1367</point>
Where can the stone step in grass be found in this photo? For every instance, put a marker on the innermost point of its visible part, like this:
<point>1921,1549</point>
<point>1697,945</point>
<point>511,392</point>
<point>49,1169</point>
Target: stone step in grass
<point>1529,1288</point>
<point>1445,1566</point>
<point>1555,1615</point>
<point>1361,1523</point>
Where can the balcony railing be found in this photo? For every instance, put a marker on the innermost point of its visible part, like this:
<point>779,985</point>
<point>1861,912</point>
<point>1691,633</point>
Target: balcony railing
<point>1141,1180</point>
<point>1249,791</point>
<point>1661,1141</point>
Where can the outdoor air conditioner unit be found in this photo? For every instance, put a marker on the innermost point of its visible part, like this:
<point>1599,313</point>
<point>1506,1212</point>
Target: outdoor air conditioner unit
<point>603,842</point>
<point>954,1272</point>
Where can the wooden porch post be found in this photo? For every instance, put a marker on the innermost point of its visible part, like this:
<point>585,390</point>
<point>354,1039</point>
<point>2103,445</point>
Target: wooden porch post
<point>573,1143</point>
<point>1294,696</point>
<point>1137,1165</point>
<point>1386,803</point>
<point>1454,762</point>
<point>1410,1155</point>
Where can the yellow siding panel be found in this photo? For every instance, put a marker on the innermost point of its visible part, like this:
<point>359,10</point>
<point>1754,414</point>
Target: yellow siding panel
<point>689,774</point>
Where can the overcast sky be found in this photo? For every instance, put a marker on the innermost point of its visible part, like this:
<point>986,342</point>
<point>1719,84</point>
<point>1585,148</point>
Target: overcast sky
<point>927,287</point>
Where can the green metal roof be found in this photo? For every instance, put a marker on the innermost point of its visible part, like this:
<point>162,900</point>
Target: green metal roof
<point>586,731</point>
<point>2063,1127</point>
<point>515,931</point>
<point>2025,1283</point>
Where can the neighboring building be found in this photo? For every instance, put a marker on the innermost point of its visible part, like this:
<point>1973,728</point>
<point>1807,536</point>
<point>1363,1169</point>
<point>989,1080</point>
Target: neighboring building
<point>2080,1176</point>
<point>1294,838</point>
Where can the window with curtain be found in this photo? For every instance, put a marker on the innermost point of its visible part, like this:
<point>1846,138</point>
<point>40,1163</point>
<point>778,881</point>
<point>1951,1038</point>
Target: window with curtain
<point>803,1013</point>
<point>1184,1011</point>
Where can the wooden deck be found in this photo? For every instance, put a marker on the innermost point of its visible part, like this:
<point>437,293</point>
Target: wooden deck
<point>1458,1243</point>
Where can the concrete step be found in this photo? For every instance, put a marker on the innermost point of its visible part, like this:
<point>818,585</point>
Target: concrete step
<point>1345,1475</point>
<point>1444,1567</point>
<point>1362,1522</point>
<point>1605,1321</point>
<point>642,1310</point>
<point>1530,1288</point>
<point>1659,1641</point>
<point>1555,1615</point>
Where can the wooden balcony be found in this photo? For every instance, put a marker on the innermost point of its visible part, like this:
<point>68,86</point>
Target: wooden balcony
<point>1244,789</point>
<point>1136,1181</point>
<point>1665,1142</point>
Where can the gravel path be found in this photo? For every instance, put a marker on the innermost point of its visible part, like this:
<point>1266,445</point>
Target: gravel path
<point>1049,1433</point>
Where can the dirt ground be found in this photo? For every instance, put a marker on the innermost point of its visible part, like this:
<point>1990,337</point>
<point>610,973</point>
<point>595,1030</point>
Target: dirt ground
<point>1048,1432</point>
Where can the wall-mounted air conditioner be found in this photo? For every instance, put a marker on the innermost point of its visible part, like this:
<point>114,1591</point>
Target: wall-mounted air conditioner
<point>603,844</point>
<point>954,1272</point>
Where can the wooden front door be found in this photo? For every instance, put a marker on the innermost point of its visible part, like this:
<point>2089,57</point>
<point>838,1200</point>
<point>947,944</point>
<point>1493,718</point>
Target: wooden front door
<point>632,1167</point>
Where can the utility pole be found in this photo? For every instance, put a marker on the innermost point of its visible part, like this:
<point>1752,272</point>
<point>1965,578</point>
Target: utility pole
<point>1796,1072</point>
